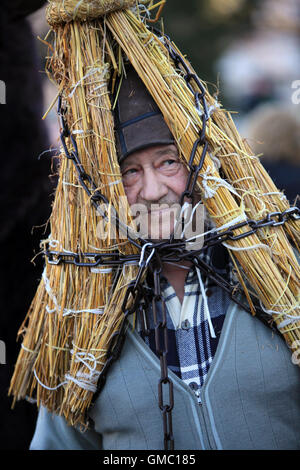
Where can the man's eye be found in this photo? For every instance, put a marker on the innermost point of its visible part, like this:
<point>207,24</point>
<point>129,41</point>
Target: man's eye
<point>130,171</point>
<point>170,164</point>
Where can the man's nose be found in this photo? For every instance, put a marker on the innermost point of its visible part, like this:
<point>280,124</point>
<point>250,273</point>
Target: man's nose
<point>153,189</point>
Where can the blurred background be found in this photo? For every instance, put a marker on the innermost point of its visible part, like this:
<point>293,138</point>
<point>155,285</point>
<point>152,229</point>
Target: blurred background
<point>248,49</point>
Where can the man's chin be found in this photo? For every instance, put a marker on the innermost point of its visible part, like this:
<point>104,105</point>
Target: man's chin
<point>158,226</point>
<point>159,234</point>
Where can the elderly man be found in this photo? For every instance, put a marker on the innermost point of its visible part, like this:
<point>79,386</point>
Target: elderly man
<point>230,382</point>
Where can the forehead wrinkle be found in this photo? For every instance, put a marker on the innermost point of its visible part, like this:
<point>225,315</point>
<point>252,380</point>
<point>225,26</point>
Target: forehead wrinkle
<point>155,153</point>
<point>166,151</point>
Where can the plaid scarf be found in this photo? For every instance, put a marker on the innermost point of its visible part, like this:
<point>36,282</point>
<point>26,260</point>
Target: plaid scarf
<point>191,341</point>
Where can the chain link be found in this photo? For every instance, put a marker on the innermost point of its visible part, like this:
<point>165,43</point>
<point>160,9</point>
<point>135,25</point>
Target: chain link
<point>161,346</point>
<point>199,99</point>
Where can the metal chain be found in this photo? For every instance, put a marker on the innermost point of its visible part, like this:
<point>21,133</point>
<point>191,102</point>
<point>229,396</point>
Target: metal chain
<point>85,180</point>
<point>235,292</point>
<point>163,251</point>
<point>199,99</point>
<point>173,251</point>
<point>161,346</point>
<point>118,337</point>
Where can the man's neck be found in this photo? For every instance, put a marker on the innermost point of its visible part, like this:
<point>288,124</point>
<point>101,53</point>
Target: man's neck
<point>176,275</point>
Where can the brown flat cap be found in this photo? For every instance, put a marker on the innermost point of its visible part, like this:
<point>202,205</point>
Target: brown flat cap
<point>138,121</point>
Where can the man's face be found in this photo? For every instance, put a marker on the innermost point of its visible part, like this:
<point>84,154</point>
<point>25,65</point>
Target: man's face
<point>154,180</point>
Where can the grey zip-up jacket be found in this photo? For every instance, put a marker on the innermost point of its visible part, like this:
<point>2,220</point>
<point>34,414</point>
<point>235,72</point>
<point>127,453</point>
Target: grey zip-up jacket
<point>250,399</point>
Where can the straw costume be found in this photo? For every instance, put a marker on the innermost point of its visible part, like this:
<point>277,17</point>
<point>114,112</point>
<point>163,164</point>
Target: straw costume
<point>91,291</point>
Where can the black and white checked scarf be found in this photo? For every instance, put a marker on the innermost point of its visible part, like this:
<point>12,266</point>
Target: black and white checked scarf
<point>192,343</point>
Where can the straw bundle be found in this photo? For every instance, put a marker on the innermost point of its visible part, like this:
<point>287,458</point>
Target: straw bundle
<point>75,312</point>
<point>64,11</point>
<point>69,324</point>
